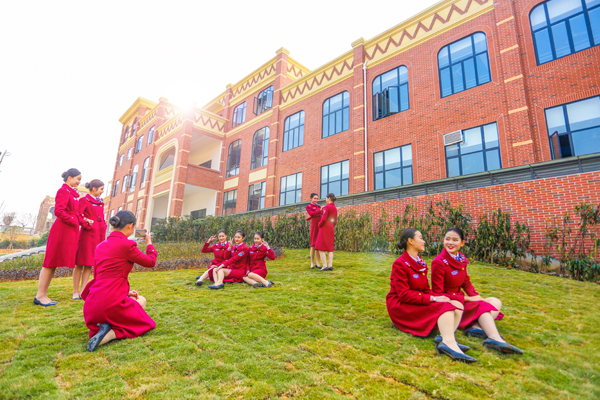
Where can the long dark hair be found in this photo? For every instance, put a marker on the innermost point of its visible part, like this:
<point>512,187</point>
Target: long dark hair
<point>408,233</point>
<point>122,219</point>
<point>71,172</point>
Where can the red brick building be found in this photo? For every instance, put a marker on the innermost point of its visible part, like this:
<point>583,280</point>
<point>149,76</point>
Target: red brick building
<point>464,87</point>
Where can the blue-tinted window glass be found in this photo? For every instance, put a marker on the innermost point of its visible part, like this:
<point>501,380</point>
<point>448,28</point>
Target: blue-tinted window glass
<point>560,38</point>
<point>595,23</point>
<point>558,10</point>
<point>468,64</point>
<point>543,46</point>
<point>256,196</point>
<point>393,167</point>
<point>260,148</point>
<point>335,178</point>
<point>391,88</point>
<point>478,152</point>
<point>581,38</point>
<point>293,134</point>
<point>538,18</point>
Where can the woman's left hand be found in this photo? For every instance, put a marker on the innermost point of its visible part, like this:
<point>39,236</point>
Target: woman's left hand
<point>474,298</point>
<point>264,243</point>
<point>133,293</point>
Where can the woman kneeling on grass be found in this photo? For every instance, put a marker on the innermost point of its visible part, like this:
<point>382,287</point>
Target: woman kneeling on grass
<point>233,269</point>
<point>414,307</point>
<point>449,276</point>
<point>112,310</point>
<point>222,252</point>
<point>257,265</point>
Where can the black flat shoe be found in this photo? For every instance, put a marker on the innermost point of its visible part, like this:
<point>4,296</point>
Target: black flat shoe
<point>258,284</point>
<point>36,302</point>
<point>98,337</point>
<point>475,332</point>
<point>462,347</point>
<point>270,284</point>
<point>199,282</point>
<point>76,298</point>
<point>443,349</point>
<point>198,277</point>
<point>221,286</point>
<point>502,347</point>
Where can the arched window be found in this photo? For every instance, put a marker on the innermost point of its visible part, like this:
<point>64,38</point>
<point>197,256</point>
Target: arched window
<point>464,64</point>
<point>116,188</point>
<point>239,115</point>
<point>563,27</point>
<point>140,141</point>
<point>134,128</point>
<point>134,175</point>
<point>233,158</point>
<point>263,101</point>
<point>125,134</point>
<point>167,159</point>
<point>150,136</point>
<point>293,131</point>
<point>144,172</point>
<point>336,114</point>
<point>121,159</point>
<point>390,93</point>
<point>260,148</point>
<point>125,181</point>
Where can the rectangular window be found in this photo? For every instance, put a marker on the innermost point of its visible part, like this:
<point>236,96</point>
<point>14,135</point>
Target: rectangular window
<point>293,133</point>
<point>116,188</point>
<point>198,214</point>
<point>574,128</point>
<point>239,115</point>
<point>464,64</point>
<point>119,209</point>
<point>121,159</point>
<point>256,196</point>
<point>479,151</point>
<point>125,183</point>
<point>229,200</point>
<point>129,153</point>
<point>336,114</point>
<point>335,178</point>
<point>112,213</point>
<point>393,167</point>
<point>290,190</point>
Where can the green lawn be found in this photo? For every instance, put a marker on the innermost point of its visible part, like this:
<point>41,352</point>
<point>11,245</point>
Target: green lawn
<point>314,335</point>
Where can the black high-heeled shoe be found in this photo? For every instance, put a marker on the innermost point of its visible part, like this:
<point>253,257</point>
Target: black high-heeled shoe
<point>221,286</point>
<point>95,341</point>
<point>502,347</point>
<point>477,333</point>
<point>462,347</point>
<point>442,348</point>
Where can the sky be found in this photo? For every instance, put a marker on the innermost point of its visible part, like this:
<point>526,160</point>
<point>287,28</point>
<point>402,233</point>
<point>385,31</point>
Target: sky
<point>70,69</point>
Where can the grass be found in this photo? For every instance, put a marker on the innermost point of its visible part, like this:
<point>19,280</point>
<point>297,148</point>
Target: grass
<point>314,335</point>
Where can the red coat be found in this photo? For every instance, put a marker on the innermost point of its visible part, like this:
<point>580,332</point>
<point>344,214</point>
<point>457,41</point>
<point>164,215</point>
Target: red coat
<point>257,262</point>
<point>64,234</point>
<point>237,264</point>
<point>449,277</point>
<point>219,250</point>
<point>315,213</point>
<point>90,236</point>
<point>106,296</point>
<point>326,236</point>
<point>409,300</point>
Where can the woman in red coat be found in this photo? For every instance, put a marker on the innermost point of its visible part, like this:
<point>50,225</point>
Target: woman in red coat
<point>414,307</point>
<point>257,265</point>
<point>112,310</point>
<point>62,239</point>
<point>326,236</point>
<point>314,216</point>
<point>92,208</point>
<point>221,252</point>
<point>234,268</point>
<point>449,276</point>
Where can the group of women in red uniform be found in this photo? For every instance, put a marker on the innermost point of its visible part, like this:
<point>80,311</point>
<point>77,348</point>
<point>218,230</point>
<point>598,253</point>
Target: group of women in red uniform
<point>68,245</point>
<point>235,262</point>
<point>322,231</point>
<point>416,307</point>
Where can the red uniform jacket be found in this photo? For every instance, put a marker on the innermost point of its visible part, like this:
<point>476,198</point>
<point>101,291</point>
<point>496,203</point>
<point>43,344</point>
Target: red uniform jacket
<point>326,235</point>
<point>409,300</point>
<point>106,296</point>
<point>257,258</point>
<point>64,234</point>
<point>237,263</point>
<point>219,250</point>
<point>91,235</point>
<point>315,213</point>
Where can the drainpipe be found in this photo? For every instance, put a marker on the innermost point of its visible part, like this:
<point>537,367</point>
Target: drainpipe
<point>365,117</point>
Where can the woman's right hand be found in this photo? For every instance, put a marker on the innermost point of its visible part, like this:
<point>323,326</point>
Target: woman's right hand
<point>442,299</point>
<point>210,239</point>
<point>148,238</point>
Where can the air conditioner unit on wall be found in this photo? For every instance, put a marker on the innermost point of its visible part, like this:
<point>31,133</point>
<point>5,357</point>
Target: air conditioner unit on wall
<point>453,138</point>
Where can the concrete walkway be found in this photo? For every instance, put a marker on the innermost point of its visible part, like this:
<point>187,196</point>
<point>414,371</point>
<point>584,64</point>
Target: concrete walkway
<point>24,253</point>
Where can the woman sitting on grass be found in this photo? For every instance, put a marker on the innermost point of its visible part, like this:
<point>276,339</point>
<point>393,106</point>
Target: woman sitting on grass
<point>112,310</point>
<point>257,265</point>
<point>414,307</point>
<point>234,268</point>
<point>449,276</point>
<point>221,250</point>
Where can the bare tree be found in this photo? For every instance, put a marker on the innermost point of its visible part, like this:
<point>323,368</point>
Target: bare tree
<point>8,219</point>
<point>26,220</point>
<point>12,233</point>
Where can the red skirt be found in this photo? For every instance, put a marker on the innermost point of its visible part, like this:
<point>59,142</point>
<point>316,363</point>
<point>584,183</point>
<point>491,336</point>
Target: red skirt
<point>418,320</point>
<point>61,248</point>
<point>236,275</point>
<point>314,231</point>
<point>262,272</point>
<point>473,310</point>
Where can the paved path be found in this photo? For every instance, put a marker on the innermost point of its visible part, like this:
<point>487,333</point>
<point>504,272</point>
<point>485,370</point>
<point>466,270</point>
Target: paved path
<point>24,253</point>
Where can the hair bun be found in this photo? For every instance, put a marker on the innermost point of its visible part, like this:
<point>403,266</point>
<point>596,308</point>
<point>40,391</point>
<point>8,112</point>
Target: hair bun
<point>114,221</point>
<point>87,185</point>
<point>64,175</point>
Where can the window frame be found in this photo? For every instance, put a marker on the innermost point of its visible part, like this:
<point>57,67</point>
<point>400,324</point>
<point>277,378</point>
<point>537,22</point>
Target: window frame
<point>284,193</point>
<point>286,130</point>
<point>145,168</point>
<point>230,149</point>
<point>240,108</point>
<point>341,180</point>
<point>264,150</point>
<point>139,144</point>
<point>261,197</point>
<point>461,62</point>
<point>133,180</point>
<point>401,168</point>
<point>264,104</point>
<point>129,153</point>
<point>125,183</point>
<point>333,114</point>
<point>121,157</point>
<point>380,99</point>
<point>116,188</point>
<point>150,135</point>
<point>483,150</point>
<point>227,202</point>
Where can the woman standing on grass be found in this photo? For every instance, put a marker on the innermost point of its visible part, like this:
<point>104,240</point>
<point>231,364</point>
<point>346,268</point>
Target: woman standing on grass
<point>257,265</point>
<point>326,236</point>
<point>314,216</point>
<point>62,239</point>
<point>112,310</point>
<point>220,250</point>
<point>449,276</point>
<point>414,308</point>
<point>234,268</point>
<point>92,208</point>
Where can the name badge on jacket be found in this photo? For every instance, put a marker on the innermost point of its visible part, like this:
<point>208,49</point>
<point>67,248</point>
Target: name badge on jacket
<point>416,276</point>
<point>454,272</point>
